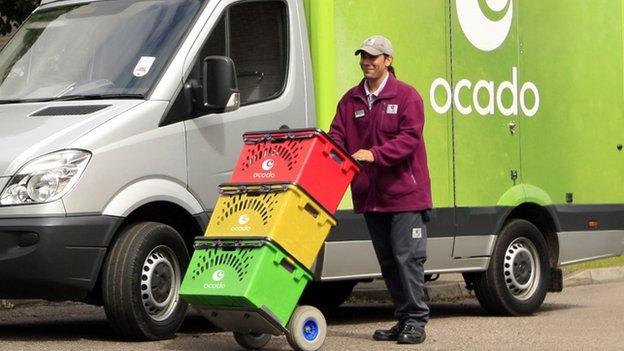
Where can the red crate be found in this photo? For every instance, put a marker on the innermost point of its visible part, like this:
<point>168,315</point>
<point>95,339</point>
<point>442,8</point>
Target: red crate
<point>307,157</point>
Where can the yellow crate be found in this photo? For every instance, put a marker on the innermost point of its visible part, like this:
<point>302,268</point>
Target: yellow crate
<point>282,212</point>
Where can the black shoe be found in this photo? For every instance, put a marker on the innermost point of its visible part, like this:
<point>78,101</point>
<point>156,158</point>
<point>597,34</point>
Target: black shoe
<point>391,334</point>
<point>411,334</point>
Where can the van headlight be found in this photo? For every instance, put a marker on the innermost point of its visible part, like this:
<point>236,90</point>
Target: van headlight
<point>46,178</point>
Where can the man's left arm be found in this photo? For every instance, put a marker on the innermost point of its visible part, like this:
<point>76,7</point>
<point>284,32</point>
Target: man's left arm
<point>412,120</point>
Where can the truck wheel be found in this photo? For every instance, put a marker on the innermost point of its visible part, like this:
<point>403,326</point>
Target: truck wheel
<point>252,341</point>
<point>327,295</point>
<point>141,282</point>
<point>517,279</point>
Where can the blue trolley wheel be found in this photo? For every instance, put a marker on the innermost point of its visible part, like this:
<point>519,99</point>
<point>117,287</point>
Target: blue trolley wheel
<point>307,329</point>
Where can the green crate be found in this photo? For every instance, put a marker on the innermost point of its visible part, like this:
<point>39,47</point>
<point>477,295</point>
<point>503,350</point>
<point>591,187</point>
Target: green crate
<point>251,274</point>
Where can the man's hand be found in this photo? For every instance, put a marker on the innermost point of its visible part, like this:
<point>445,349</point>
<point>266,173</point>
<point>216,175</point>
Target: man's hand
<point>364,156</point>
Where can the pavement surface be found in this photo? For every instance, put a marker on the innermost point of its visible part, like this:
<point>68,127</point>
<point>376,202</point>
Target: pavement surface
<point>452,286</point>
<point>581,317</point>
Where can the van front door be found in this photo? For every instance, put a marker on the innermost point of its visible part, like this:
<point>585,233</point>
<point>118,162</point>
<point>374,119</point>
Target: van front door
<point>256,36</point>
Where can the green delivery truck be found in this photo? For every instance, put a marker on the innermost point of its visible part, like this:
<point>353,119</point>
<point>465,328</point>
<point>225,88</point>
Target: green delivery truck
<point>119,118</point>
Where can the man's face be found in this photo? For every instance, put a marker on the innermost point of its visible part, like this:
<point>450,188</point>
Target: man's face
<point>374,67</point>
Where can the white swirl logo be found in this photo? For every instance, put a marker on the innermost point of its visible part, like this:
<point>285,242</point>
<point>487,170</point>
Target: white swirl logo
<point>484,33</point>
<point>244,219</point>
<point>218,276</point>
<point>267,165</point>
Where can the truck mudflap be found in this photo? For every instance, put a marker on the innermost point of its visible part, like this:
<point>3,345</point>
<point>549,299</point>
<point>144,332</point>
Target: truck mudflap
<point>556,280</point>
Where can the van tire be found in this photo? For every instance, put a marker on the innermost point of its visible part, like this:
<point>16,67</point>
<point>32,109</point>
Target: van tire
<point>517,279</point>
<point>152,253</point>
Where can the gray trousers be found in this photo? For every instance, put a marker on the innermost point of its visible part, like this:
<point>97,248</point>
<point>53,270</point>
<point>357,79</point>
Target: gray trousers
<point>400,242</point>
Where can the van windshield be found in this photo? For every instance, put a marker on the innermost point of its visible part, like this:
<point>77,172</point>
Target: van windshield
<point>114,48</point>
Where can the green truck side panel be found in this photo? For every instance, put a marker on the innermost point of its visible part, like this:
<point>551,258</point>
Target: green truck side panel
<point>320,14</point>
<point>571,51</point>
<point>485,150</point>
<point>421,56</point>
<point>524,193</point>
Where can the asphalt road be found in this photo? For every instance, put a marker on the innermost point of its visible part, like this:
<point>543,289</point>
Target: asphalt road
<point>583,317</point>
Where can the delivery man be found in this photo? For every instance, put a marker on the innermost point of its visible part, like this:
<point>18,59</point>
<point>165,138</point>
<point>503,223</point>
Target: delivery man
<point>380,122</point>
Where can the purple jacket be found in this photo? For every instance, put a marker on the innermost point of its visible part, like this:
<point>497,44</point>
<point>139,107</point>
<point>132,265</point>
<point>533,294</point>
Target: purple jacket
<point>398,180</point>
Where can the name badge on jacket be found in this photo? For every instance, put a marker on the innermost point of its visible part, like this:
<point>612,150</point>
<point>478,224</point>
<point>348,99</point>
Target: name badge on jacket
<point>359,113</point>
<point>392,109</point>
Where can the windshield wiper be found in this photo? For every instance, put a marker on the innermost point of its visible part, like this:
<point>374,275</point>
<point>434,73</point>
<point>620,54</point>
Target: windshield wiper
<point>76,97</point>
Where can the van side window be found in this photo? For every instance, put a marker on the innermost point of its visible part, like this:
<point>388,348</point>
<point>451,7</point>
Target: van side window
<point>254,35</point>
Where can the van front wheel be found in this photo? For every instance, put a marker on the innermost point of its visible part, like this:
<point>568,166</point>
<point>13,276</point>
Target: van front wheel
<point>517,279</point>
<point>141,282</point>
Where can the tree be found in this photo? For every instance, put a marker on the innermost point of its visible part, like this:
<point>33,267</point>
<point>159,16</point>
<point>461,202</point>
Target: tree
<point>13,12</point>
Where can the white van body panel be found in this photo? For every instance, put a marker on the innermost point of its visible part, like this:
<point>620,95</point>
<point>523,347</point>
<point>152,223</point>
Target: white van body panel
<point>151,190</point>
<point>128,150</point>
<point>51,209</point>
<point>25,137</point>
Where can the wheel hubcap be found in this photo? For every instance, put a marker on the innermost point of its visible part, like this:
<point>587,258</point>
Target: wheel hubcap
<point>522,268</point>
<point>160,283</point>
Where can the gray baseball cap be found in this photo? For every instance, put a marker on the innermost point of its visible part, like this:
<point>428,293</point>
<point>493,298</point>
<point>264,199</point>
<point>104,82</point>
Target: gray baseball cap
<point>376,45</point>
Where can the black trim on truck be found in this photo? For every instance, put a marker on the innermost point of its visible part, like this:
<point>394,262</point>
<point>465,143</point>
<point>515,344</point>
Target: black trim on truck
<point>351,226</point>
<point>570,218</point>
<point>477,221</point>
<point>53,258</point>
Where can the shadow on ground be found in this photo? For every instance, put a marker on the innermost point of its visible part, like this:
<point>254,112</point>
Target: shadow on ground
<point>68,322</point>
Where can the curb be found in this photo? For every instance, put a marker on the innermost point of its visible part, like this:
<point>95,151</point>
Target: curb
<point>594,276</point>
<point>455,290</point>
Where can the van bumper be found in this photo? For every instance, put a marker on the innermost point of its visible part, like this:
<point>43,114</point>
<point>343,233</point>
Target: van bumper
<point>53,258</point>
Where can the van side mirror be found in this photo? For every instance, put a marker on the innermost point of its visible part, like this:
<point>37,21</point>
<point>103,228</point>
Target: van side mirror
<point>220,87</point>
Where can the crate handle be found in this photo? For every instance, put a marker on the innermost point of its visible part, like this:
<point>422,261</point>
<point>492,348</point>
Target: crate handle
<point>257,189</point>
<point>298,274</point>
<point>227,246</point>
<point>280,258</point>
<point>336,157</point>
<point>307,206</point>
<point>330,150</point>
<point>271,138</point>
<point>287,265</point>
<point>311,210</point>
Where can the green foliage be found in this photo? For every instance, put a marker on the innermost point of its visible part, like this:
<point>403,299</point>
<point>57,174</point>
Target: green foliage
<point>13,12</point>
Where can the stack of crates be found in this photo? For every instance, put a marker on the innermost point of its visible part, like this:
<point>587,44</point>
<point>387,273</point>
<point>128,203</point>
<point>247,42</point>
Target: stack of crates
<point>267,228</point>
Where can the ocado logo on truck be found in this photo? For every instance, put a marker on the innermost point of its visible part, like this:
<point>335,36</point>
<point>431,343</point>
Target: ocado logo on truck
<point>486,35</point>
